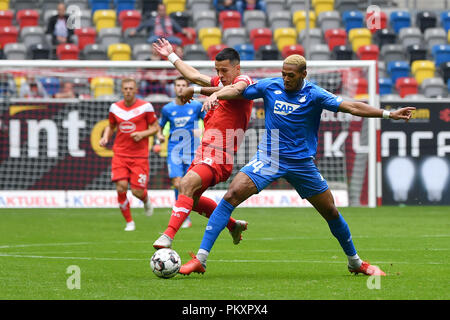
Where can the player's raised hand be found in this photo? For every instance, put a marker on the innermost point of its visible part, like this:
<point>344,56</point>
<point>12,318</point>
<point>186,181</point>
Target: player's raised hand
<point>163,47</point>
<point>210,102</point>
<point>403,113</point>
<point>186,94</point>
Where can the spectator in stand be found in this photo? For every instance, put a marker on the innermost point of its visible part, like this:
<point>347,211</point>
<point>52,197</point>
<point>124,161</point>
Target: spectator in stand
<point>66,91</point>
<point>57,26</point>
<point>243,5</point>
<point>32,89</point>
<point>225,5</point>
<point>162,26</point>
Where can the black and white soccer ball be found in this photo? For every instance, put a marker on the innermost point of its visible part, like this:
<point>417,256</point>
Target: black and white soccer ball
<point>165,263</point>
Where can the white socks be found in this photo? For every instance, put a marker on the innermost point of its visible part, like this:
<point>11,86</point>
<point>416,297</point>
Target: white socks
<point>354,261</point>
<point>202,256</point>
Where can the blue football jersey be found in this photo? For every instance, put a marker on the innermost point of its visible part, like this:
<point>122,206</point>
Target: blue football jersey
<point>183,120</point>
<point>292,118</point>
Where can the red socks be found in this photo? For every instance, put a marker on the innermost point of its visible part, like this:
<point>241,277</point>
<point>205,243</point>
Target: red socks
<point>124,206</point>
<point>206,206</point>
<point>180,211</point>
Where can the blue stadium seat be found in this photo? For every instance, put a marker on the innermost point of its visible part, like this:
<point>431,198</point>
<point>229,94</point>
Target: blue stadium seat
<point>441,53</point>
<point>398,69</point>
<point>121,5</point>
<point>99,5</point>
<point>353,19</point>
<point>51,85</point>
<point>399,20</point>
<point>385,86</point>
<point>246,51</point>
<point>445,20</point>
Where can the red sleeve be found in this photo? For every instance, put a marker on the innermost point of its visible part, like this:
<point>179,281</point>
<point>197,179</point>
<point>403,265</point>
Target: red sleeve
<point>112,119</point>
<point>244,78</point>
<point>214,81</point>
<point>151,117</point>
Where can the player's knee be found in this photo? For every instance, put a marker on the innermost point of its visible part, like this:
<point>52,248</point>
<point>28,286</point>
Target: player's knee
<point>187,186</point>
<point>330,212</point>
<point>138,193</point>
<point>234,195</point>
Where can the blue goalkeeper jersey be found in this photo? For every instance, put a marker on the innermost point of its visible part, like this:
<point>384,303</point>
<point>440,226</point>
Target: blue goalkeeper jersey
<point>183,120</point>
<point>292,118</point>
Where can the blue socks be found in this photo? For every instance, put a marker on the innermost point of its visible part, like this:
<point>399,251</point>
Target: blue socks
<point>216,223</point>
<point>339,229</point>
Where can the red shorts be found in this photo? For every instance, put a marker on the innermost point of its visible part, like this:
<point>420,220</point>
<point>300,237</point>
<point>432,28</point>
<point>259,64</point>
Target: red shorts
<point>134,170</point>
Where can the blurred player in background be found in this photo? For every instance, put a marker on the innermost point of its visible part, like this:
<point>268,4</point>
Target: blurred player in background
<point>183,136</point>
<point>225,126</point>
<point>135,121</point>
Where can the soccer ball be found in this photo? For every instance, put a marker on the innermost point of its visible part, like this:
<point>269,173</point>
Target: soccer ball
<point>165,263</point>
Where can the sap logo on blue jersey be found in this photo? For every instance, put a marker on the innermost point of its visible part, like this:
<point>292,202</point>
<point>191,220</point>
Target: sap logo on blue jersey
<point>284,108</point>
<point>181,121</point>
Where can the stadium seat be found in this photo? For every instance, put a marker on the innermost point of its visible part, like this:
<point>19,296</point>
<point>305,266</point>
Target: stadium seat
<point>385,85</point>
<point>359,37</point>
<point>119,52</point>
<point>39,51</point>
<point>94,52</point>
<point>97,5</point>
<point>234,36</point>
<point>27,18</point>
<point>322,6</point>
<point>104,19</point>
<point>142,51</point>
<point>423,69</point>
<point>353,20</point>
<point>67,51</point>
<point>267,52</point>
<point>445,70</point>
<point>275,5</point>
<point>246,51</point>
<point>195,52</point>
<point>107,36</point>
<point>368,52</point>
<point>4,4</point>
<point>342,52</point>
<point>315,36</point>
<point>129,19</point>
<point>32,35</point>
<point>292,49</point>
<point>393,52</point>
<point>345,5</point>
<point>416,52</point>
<point>82,4</point>
<point>445,20</point>
<point>280,19</point>
<point>204,19</point>
<point>6,18</point>
<point>319,52</point>
<point>434,36</point>
<point>376,20</point>
<point>295,5</point>
<point>102,86</point>
<point>384,36</point>
<point>299,20</point>
<point>214,50</point>
<point>254,19</point>
<point>15,51</point>
<point>181,17</point>
<point>51,85</point>
<point>229,19</point>
<point>399,20</point>
<point>209,37</point>
<point>185,39</point>
<point>410,36</point>
<point>174,5</point>
<point>441,53</point>
<point>198,5</point>
<point>85,36</point>
<point>398,69</point>
<point>260,37</point>
<point>425,20</point>
<point>8,34</point>
<point>284,36</point>
<point>329,20</point>
<point>131,40</point>
<point>406,86</point>
<point>86,19</point>
<point>335,37</point>
<point>360,84</point>
<point>124,5</point>
<point>47,15</point>
<point>434,88</point>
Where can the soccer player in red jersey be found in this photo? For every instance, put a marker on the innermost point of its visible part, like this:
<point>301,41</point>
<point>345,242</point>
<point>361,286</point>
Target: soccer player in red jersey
<point>135,121</point>
<point>225,125</point>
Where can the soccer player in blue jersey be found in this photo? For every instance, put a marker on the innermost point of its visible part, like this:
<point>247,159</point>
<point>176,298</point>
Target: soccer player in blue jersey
<point>184,135</point>
<point>293,108</point>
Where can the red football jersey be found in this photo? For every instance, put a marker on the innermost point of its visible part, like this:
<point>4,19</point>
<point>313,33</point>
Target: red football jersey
<point>128,120</point>
<point>228,120</point>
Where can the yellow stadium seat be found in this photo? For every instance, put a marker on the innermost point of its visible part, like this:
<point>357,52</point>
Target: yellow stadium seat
<point>104,19</point>
<point>102,86</point>
<point>284,37</point>
<point>4,4</point>
<point>210,37</point>
<point>422,69</point>
<point>359,37</point>
<point>299,20</point>
<point>119,51</point>
<point>322,5</point>
<point>174,5</point>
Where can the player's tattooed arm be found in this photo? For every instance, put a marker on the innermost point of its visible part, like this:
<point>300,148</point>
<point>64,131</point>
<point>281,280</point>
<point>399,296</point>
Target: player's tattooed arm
<point>362,109</point>
<point>233,91</point>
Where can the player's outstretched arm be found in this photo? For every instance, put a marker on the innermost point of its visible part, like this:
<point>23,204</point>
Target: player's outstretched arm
<point>364,110</point>
<point>165,49</point>
<point>233,91</point>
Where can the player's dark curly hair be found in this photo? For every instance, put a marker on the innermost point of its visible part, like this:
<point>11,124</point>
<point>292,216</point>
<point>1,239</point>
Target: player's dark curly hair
<point>229,54</point>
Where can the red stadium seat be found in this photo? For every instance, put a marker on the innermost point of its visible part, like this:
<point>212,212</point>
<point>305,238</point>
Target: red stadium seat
<point>406,86</point>
<point>6,18</point>
<point>335,37</point>
<point>8,35</point>
<point>369,52</point>
<point>292,49</point>
<point>27,18</point>
<point>214,50</point>
<point>360,84</point>
<point>229,19</point>
<point>260,37</point>
<point>376,20</point>
<point>85,36</point>
<point>67,51</point>
<point>185,40</point>
<point>129,19</point>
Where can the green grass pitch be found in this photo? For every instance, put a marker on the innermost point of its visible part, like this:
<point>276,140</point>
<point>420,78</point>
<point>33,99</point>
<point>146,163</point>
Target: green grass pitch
<point>286,254</point>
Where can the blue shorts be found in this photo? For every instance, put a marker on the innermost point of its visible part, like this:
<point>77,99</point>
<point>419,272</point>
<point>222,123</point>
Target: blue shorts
<point>302,174</point>
<point>177,168</point>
